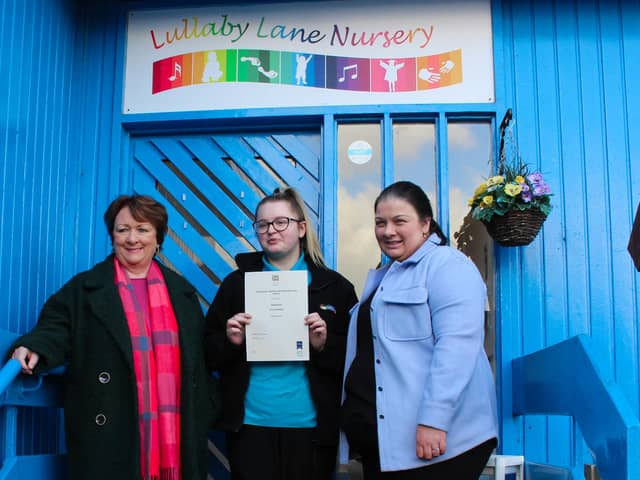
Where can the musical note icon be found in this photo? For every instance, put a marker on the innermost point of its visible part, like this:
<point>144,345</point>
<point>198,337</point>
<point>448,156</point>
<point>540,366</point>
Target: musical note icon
<point>354,75</point>
<point>177,72</point>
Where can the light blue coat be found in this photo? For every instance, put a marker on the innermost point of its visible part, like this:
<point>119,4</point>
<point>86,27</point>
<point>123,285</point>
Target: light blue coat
<point>427,321</point>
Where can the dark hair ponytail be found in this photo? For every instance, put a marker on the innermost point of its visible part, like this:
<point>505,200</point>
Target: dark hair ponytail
<point>415,196</point>
<point>434,227</point>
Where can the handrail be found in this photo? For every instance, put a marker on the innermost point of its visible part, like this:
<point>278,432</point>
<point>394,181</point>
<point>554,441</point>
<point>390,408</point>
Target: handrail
<point>18,391</point>
<point>564,379</point>
<point>8,374</point>
<point>31,391</point>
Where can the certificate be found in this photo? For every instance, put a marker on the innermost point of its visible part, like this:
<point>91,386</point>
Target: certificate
<point>277,302</point>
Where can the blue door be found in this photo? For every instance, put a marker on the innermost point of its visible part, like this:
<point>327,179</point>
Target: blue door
<point>211,184</point>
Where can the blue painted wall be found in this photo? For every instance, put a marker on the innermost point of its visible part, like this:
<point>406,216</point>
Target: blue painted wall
<point>56,110</point>
<point>570,73</point>
<point>38,154</point>
<point>38,157</point>
<point>56,101</point>
<point>568,69</point>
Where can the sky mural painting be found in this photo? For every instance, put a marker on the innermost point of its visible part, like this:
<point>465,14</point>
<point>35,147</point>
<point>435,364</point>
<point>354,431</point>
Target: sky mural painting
<point>305,54</point>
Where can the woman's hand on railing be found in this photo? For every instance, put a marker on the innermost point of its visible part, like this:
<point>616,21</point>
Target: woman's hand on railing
<point>27,358</point>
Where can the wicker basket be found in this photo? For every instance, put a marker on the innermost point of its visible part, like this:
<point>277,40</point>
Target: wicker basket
<point>516,227</point>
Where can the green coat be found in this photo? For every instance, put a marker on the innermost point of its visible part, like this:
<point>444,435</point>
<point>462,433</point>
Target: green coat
<point>84,326</point>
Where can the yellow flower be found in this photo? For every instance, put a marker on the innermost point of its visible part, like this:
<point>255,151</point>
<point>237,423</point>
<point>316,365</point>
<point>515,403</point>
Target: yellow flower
<point>481,188</point>
<point>498,179</point>
<point>512,189</point>
<point>519,179</point>
<point>487,201</point>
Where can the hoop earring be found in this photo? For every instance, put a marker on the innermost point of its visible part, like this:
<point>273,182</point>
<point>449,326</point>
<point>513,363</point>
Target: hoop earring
<point>425,235</point>
<point>157,249</point>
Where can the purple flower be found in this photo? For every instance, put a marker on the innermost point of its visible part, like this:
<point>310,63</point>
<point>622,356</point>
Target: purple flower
<point>535,177</point>
<point>526,196</point>
<point>540,189</point>
<point>525,187</point>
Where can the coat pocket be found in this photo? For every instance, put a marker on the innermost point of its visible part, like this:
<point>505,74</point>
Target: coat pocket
<point>406,314</point>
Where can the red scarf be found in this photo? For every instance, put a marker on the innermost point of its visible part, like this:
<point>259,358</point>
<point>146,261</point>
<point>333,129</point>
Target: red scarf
<point>156,361</point>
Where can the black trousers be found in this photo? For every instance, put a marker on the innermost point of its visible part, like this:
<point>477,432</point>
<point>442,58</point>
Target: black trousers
<point>466,466</point>
<point>269,453</point>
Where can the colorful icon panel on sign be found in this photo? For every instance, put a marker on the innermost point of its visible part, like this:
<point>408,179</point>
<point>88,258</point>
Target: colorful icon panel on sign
<point>261,66</point>
<point>302,69</point>
<point>379,75</point>
<point>172,72</point>
<point>347,73</point>
<point>393,75</point>
<point>441,70</point>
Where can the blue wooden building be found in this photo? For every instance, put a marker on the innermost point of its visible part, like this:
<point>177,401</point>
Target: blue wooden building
<point>104,97</point>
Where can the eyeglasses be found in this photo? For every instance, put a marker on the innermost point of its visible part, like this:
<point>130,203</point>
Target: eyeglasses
<point>279,224</point>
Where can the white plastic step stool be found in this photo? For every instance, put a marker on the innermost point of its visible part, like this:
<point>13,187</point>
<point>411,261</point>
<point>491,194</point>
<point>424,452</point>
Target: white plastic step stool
<point>499,466</point>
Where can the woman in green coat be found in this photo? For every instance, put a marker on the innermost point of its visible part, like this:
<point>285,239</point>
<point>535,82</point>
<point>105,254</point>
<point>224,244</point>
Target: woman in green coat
<point>138,399</point>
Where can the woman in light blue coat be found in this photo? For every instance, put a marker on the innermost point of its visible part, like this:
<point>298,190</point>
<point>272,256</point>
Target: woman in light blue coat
<point>419,398</point>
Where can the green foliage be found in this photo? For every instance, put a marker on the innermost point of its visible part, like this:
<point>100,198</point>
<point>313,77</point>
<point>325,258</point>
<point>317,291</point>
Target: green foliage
<point>513,188</point>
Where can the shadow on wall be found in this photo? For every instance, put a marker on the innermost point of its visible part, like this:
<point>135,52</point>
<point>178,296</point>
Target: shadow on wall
<point>634,240</point>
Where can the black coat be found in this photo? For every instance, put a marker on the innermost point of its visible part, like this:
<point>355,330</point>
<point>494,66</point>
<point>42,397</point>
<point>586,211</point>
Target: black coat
<point>84,326</point>
<point>324,368</point>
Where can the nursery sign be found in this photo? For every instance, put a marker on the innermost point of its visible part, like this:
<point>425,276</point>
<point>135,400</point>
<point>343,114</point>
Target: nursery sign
<point>308,54</point>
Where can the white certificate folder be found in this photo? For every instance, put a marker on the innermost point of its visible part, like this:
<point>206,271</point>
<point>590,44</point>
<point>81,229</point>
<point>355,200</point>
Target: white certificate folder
<point>277,302</point>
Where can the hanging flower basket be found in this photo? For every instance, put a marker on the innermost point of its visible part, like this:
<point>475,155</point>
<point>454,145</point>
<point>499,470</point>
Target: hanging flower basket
<point>514,203</point>
<point>516,227</point>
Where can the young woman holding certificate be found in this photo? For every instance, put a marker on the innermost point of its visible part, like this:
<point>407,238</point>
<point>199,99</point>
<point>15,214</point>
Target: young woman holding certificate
<point>281,418</point>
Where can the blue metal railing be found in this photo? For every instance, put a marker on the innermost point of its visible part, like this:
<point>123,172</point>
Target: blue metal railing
<point>564,379</point>
<point>17,395</point>
<point>566,373</point>
<point>8,373</point>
